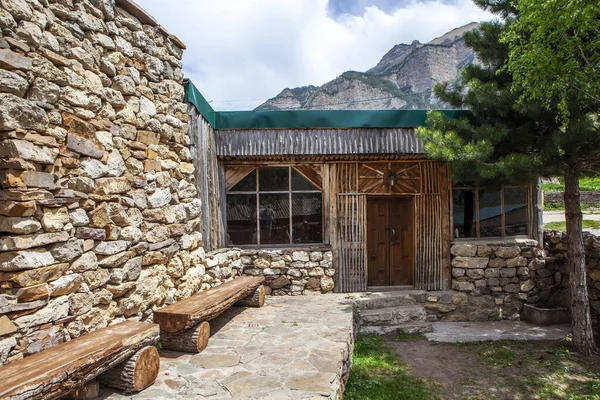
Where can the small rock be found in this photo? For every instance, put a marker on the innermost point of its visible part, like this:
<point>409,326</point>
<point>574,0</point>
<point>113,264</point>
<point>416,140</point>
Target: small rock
<point>66,285</point>
<point>11,60</point>
<point>12,83</point>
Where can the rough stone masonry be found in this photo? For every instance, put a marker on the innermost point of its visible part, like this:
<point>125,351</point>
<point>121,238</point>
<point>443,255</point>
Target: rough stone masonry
<point>98,207</point>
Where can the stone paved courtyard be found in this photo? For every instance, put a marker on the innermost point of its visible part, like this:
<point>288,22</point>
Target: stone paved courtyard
<point>291,348</point>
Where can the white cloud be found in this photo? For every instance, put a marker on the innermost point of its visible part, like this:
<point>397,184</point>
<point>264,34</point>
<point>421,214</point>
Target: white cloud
<point>252,49</point>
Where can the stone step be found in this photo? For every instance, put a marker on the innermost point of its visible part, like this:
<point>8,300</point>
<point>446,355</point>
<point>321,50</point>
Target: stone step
<point>392,315</point>
<point>390,299</point>
<point>411,328</point>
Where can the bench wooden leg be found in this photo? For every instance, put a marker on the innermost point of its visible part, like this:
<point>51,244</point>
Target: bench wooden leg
<point>192,340</point>
<point>134,374</point>
<point>256,299</point>
<point>90,391</point>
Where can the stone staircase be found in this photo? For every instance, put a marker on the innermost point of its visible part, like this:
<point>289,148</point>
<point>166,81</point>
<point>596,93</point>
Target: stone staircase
<point>386,312</point>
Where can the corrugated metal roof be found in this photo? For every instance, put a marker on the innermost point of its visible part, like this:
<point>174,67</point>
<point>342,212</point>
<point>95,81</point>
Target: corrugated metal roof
<point>316,142</point>
<point>310,119</point>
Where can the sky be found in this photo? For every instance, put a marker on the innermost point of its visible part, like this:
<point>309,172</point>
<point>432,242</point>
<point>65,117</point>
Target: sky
<point>242,52</point>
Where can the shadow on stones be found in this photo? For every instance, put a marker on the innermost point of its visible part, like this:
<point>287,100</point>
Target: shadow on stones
<point>219,323</point>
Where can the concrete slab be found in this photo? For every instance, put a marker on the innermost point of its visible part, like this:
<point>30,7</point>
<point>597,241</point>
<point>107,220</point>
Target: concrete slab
<point>291,348</point>
<point>494,330</point>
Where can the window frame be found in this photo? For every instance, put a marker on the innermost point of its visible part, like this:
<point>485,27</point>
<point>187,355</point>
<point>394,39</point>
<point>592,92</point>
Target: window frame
<point>290,192</point>
<point>476,189</point>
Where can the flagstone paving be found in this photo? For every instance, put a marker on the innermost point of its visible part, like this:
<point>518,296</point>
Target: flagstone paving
<point>291,348</point>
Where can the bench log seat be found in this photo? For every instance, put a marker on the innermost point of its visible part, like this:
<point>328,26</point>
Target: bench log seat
<point>67,367</point>
<point>184,325</point>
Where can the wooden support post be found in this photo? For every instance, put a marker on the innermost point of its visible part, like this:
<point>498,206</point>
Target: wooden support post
<point>256,299</point>
<point>192,340</point>
<point>134,374</point>
<point>90,391</point>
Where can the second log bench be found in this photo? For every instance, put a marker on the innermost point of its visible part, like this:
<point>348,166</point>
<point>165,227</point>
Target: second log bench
<point>184,325</point>
<point>122,356</point>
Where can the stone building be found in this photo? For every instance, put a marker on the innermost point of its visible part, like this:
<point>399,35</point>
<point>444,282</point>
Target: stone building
<point>99,212</point>
<point>116,177</point>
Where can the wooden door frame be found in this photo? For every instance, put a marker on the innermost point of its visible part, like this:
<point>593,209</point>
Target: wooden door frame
<point>412,201</point>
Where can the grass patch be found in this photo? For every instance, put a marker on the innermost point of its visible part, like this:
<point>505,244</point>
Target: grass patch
<point>377,374</point>
<point>553,187</point>
<point>561,206</point>
<point>561,226</point>
<point>529,370</point>
<point>555,206</point>
<point>588,184</point>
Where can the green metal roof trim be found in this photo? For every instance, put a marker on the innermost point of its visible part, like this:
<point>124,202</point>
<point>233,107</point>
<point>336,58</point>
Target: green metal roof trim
<point>298,119</point>
<point>193,96</point>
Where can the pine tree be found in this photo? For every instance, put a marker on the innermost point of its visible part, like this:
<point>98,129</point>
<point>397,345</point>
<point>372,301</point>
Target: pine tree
<point>511,138</point>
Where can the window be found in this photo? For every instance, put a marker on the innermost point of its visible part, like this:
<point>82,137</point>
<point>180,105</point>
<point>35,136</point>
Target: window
<point>490,212</point>
<point>274,206</point>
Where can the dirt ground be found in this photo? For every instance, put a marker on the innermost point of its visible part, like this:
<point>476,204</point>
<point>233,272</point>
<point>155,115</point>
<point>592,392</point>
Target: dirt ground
<point>500,370</point>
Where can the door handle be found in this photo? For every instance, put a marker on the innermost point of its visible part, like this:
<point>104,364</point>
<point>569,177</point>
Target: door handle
<point>392,231</point>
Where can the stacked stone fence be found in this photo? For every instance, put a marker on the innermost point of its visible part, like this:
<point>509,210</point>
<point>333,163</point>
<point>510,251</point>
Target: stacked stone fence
<point>558,279</point>
<point>286,271</point>
<point>492,281</point>
<point>587,197</point>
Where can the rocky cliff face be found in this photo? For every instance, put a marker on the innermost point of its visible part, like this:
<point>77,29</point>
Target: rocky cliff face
<point>403,79</point>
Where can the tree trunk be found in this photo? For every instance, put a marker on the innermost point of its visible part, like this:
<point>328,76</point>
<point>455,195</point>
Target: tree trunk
<point>256,299</point>
<point>135,374</point>
<point>192,340</point>
<point>583,336</point>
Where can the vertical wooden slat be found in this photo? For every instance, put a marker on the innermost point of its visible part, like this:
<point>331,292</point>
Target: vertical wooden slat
<point>325,206</point>
<point>431,218</point>
<point>333,227</point>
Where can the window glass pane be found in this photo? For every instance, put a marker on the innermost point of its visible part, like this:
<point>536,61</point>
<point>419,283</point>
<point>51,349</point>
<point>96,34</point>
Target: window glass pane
<point>274,178</point>
<point>248,184</point>
<point>515,211</point>
<point>465,220</point>
<point>307,217</point>
<point>301,183</point>
<point>490,213</point>
<point>241,219</point>
<point>274,218</point>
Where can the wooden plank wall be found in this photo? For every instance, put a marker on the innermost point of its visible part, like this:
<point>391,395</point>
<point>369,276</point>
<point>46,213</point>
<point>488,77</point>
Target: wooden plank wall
<point>351,183</point>
<point>208,182</point>
<point>433,231</point>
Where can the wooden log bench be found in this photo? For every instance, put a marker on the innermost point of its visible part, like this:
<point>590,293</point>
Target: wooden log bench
<point>184,325</point>
<point>121,356</point>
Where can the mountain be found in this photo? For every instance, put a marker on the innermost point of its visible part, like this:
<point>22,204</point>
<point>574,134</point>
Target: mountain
<point>403,79</point>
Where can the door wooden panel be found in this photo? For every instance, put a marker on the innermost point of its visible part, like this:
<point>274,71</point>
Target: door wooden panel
<point>390,241</point>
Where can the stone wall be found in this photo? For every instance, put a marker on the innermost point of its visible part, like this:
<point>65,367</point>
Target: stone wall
<point>587,197</point>
<point>491,281</point>
<point>556,283</point>
<point>98,208</point>
<point>286,271</point>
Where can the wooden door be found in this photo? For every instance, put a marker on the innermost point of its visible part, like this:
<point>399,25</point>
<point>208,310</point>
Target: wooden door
<point>390,241</point>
